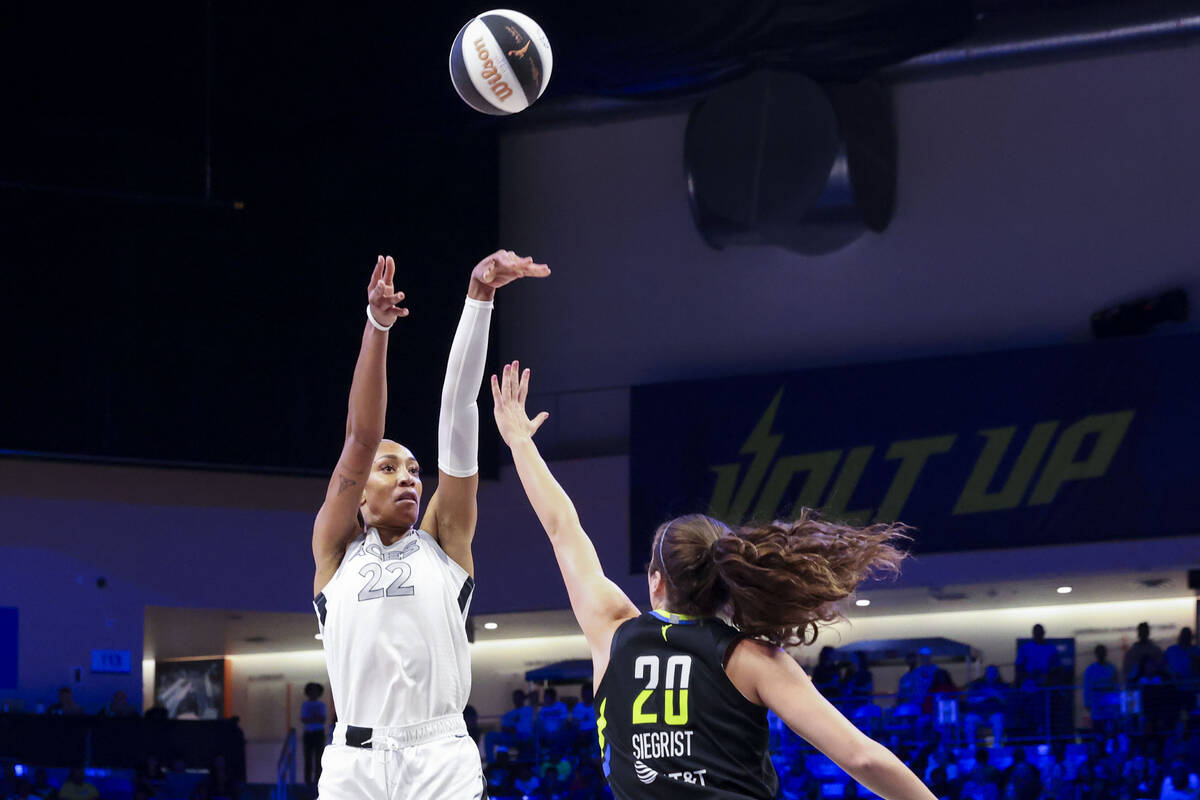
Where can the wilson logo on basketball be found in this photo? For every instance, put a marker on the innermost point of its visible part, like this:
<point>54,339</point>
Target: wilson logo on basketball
<point>489,72</point>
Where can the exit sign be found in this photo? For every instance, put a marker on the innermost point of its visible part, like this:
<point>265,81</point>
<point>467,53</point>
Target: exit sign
<point>118,661</point>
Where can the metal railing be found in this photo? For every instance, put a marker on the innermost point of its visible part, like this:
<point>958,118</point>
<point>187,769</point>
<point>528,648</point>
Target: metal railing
<point>285,767</point>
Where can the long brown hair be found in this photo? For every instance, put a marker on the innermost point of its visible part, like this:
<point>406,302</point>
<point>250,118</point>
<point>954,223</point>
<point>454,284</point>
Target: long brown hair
<point>779,580</point>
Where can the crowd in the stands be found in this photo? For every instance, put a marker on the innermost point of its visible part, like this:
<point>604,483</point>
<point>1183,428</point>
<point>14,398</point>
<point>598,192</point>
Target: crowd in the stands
<point>152,779</point>
<point>992,739</point>
<point>1137,736</point>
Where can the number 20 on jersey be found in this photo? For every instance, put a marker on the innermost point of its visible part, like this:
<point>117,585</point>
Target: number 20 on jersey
<point>678,674</point>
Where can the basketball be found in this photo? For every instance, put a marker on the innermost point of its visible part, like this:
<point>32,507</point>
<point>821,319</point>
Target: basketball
<point>500,62</point>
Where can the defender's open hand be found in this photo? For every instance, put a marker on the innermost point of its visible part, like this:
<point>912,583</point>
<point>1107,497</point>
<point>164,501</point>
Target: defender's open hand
<point>508,395</point>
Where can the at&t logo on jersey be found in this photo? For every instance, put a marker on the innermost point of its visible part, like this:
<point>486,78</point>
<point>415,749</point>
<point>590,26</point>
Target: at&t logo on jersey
<point>648,776</point>
<point>644,773</point>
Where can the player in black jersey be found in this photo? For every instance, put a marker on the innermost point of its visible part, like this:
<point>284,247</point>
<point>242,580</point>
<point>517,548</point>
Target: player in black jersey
<point>683,697</point>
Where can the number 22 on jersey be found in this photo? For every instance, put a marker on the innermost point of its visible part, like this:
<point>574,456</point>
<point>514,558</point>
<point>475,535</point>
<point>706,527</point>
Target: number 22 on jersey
<point>373,572</point>
<point>675,700</point>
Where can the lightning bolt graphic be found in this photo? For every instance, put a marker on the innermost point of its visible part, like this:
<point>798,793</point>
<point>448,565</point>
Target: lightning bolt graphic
<point>762,445</point>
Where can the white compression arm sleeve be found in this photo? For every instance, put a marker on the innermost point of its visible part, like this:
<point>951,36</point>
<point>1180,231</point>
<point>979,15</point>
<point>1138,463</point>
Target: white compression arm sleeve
<point>458,424</point>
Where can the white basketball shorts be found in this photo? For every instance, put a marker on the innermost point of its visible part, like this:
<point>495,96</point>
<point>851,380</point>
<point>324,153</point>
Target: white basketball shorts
<point>428,761</point>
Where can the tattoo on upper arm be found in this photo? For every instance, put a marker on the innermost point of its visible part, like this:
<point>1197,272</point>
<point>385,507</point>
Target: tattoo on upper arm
<point>345,484</point>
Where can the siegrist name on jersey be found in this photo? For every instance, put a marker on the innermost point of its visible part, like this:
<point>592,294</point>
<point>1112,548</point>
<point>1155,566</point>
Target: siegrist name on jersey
<point>662,744</point>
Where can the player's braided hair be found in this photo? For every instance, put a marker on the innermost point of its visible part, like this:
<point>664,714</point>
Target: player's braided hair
<point>779,580</point>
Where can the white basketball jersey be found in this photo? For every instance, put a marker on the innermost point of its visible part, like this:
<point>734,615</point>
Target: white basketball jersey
<point>393,623</point>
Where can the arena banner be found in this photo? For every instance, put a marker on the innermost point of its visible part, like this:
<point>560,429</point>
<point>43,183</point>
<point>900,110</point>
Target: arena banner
<point>1043,446</point>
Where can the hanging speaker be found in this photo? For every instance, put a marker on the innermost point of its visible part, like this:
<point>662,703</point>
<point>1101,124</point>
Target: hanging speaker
<point>775,158</point>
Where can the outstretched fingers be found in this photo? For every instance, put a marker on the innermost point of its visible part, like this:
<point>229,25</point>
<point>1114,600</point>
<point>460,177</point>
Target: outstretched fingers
<point>497,396</point>
<point>389,271</point>
<point>523,388</point>
<point>512,382</point>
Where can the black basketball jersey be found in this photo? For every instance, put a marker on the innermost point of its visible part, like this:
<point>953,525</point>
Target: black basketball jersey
<point>670,723</point>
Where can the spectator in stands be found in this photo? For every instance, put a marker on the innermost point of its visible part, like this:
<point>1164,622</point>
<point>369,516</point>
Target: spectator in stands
<point>76,787</point>
<point>796,783</point>
<point>1100,688</point>
<point>1139,650</point>
<point>8,780</point>
<point>1023,778</point>
<point>1056,773</point>
<point>1183,663</point>
<point>583,716</point>
<point>930,684</point>
<point>157,713</point>
<point>23,790</point>
<point>1180,784</point>
<point>42,787</point>
<point>66,704</point>
<point>222,785</point>
<point>564,766</point>
<point>118,706</point>
<point>499,773</point>
<point>1149,672</point>
<point>986,701</point>
<point>1083,778</point>
<point>858,684</point>
<point>924,676</point>
<point>942,770</point>
<point>984,771</point>
<point>516,726</point>
<point>825,674</point>
<point>1159,701</point>
<point>908,701</point>
<point>526,783</point>
<point>1135,776</point>
<point>552,720</point>
<point>1035,659</point>
<point>553,787</point>
<point>587,783</point>
<point>179,783</point>
<point>312,716</point>
<point>151,777</point>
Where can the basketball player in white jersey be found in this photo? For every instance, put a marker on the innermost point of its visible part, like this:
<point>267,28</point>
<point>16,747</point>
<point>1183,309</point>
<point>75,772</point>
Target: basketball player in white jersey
<point>391,597</point>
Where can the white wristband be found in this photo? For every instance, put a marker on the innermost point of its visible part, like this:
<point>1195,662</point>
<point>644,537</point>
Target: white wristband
<point>376,325</point>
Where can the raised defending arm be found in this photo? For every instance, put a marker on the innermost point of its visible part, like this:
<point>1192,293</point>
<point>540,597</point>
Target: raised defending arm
<point>599,604</point>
